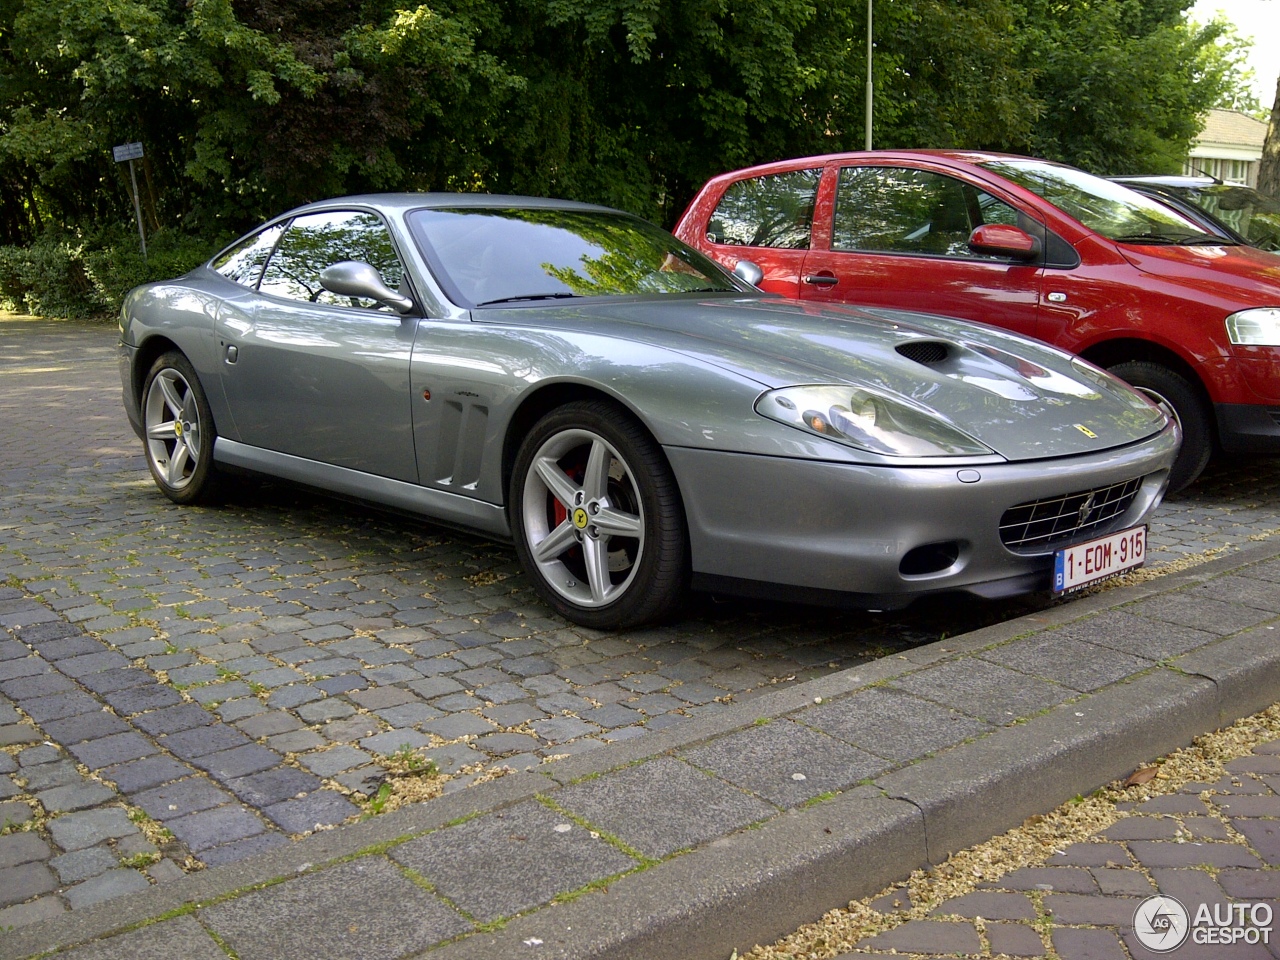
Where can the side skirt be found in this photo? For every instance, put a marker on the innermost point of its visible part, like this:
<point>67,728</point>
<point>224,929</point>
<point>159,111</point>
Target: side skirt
<point>447,508</point>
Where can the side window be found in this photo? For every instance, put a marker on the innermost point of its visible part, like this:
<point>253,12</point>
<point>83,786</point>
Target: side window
<point>243,262</point>
<point>899,210</point>
<point>992,210</point>
<point>770,211</point>
<point>318,240</point>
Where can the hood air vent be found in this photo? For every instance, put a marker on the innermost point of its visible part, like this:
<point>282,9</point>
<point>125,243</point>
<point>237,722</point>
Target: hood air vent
<point>928,352</point>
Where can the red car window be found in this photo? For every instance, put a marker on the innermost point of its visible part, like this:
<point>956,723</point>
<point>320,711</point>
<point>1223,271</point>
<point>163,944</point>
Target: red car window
<point>769,211</point>
<point>904,210</point>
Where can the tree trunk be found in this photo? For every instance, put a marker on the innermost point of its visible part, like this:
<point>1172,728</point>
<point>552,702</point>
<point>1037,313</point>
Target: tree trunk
<point>1269,168</point>
<point>149,199</point>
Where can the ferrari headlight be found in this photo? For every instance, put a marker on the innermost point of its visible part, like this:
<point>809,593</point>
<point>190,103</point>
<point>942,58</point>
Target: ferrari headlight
<point>1257,327</point>
<point>868,420</point>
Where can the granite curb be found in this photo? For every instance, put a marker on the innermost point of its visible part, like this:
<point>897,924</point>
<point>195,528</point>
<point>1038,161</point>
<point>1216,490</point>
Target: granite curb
<point>732,887</point>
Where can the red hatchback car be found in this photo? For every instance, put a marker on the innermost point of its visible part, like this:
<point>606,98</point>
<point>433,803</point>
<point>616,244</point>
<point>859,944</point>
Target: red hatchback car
<point>1041,248</point>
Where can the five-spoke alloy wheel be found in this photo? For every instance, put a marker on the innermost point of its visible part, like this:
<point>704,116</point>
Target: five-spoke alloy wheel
<point>178,429</point>
<point>597,517</point>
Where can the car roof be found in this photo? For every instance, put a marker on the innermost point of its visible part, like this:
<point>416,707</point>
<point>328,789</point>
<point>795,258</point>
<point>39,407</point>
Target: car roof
<point>415,201</point>
<point>955,156</point>
<point>1171,181</point>
<point>958,156</point>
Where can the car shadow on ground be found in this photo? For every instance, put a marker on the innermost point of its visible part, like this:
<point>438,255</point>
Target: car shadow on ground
<point>397,535</point>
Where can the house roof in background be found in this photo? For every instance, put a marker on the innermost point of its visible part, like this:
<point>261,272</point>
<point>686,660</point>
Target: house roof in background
<point>1234,128</point>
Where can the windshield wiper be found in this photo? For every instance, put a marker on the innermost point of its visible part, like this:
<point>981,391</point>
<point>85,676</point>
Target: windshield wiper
<point>529,296</point>
<point>1206,239</point>
<point>1145,238</point>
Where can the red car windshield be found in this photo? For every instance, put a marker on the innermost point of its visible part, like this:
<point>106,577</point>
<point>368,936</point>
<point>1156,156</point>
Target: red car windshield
<point>1106,208</point>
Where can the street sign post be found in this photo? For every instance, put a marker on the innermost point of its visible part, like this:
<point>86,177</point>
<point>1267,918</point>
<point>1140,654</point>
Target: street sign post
<point>131,152</point>
<point>127,151</point>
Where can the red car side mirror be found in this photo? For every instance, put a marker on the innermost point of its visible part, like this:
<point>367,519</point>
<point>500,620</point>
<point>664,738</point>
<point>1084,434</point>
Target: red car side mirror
<point>1003,240</point>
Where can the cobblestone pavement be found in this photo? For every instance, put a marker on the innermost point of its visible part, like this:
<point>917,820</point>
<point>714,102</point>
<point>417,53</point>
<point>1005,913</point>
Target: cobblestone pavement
<point>1212,844</point>
<point>188,687</point>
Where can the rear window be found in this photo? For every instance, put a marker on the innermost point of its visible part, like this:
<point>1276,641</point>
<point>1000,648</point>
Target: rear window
<point>769,211</point>
<point>242,262</point>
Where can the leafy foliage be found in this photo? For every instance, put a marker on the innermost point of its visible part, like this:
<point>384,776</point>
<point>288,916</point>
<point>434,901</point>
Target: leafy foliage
<point>246,108</point>
<point>63,275</point>
<point>1123,85</point>
<point>114,265</point>
<point>47,277</point>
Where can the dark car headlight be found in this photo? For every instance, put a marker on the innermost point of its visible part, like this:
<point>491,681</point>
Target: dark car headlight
<point>868,420</point>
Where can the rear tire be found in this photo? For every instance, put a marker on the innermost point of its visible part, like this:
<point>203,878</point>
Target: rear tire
<point>178,431</point>
<point>1182,401</point>
<point>597,518</point>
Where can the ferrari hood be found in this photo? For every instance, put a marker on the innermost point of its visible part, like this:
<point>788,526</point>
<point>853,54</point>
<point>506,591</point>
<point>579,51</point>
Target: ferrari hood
<point>1022,399</point>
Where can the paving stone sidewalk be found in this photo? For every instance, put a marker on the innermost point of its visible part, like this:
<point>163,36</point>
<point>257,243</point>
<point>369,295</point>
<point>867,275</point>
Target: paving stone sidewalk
<point>729,830</point>
<point>1212,845</point>
<point>188,688</point>
<point>226,679</point>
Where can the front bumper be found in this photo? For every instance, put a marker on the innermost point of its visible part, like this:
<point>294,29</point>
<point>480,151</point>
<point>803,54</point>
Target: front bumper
<point>828,532</point>
<point>1248,427</point>
<point>125,355</point>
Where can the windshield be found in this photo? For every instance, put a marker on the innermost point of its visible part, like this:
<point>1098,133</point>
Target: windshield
<point>1106,208</point>
<point>1253,215</point>
<point>515,254</point>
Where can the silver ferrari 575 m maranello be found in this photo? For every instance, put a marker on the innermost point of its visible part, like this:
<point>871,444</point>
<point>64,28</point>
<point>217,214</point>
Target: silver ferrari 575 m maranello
<point>638,421</point>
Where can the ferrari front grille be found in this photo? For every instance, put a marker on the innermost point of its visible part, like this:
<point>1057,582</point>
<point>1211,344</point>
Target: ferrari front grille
<point>1040,525</point>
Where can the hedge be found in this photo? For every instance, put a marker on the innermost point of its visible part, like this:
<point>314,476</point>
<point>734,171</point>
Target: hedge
<point>63,275</point>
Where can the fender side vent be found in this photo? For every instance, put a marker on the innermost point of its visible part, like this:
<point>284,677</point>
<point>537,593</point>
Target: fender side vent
<point>928,352</point>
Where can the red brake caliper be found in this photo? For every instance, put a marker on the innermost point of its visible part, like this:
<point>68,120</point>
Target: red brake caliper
<point>575,471</point>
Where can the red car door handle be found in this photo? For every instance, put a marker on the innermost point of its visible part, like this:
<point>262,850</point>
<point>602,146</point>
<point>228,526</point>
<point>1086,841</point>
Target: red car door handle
<point>821,280</point>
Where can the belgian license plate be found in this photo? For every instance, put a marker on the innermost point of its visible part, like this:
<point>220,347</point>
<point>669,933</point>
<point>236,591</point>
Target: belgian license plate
<point>1087,563</point>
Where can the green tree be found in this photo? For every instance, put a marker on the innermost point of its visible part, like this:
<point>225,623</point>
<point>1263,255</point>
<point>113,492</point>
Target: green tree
<point>247,108</point>
<point>239,114</point>
<point>1121,86</point>
<point>952,73</point>
<point>636,102</point>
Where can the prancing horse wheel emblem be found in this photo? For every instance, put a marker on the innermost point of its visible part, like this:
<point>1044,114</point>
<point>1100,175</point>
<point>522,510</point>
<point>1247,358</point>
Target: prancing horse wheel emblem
<point>580,518</point>
<point>177,428</point>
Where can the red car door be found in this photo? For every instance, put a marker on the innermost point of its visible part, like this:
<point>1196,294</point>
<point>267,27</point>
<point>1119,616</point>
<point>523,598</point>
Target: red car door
<point>898,236</point>
<point>766,219</point>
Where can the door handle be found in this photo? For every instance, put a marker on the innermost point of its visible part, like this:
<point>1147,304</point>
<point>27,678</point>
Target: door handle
<point>821,280</point>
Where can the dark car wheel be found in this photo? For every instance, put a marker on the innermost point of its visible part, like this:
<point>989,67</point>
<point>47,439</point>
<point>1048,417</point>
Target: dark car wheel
<point>597,517</point>
<point>179,431</point>
<point>1173,394</point>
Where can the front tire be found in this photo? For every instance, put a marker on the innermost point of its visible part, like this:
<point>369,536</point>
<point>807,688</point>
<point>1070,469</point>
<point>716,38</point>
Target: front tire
<point>597,518</point>
<point>1181,400</point>
<point>178,431</point>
